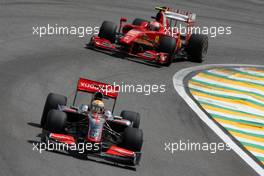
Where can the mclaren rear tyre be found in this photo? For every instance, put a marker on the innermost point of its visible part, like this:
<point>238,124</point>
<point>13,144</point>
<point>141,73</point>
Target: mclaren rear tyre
<point>52,102</point>
<point>134,117</point>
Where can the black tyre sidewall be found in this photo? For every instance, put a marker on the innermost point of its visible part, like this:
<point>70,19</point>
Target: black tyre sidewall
<point>56,121</point>
<point>52,102</point>
<point>133,139</point>
<point>197,45</point>
<point>167,44</point>
<point>131,116</point>
<point>108,31</point>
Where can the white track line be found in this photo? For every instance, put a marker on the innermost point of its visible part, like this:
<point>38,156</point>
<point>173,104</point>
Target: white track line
<point>180,88</point>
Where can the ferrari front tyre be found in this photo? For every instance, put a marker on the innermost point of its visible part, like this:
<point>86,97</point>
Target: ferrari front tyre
<point>138,21</point>
<point>167,44</point>
<point>52,102</point>
<point>133,117</point>
<point>197,47</point>
<point>133,139</point>
<point>108,31</point>
<point>56,121</point>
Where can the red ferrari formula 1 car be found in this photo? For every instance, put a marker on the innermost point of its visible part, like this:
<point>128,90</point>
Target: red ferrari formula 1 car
<point>159,41</point>
<point>100,134</point>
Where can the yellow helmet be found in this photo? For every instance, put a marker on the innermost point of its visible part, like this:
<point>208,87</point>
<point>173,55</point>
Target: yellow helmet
<point>97,106</point>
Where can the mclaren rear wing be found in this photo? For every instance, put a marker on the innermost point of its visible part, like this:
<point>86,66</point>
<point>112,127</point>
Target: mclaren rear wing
<point>90,86</point>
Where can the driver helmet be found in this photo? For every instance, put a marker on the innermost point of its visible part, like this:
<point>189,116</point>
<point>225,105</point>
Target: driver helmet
<point>84,108</point>
<point>98,96</point>
<point>154,26</point>
<point>97,107</point>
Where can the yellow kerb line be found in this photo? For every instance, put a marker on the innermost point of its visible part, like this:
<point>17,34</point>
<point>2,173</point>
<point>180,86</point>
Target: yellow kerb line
<point>205,106</point>
<point>239,102</point>
<point>248,85</point>
<point>253,138</point>
<point>239,125</point>
<point>225,90</point>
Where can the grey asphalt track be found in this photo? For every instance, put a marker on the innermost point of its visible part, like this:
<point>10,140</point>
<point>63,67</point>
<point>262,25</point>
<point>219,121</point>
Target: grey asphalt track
<point>31,67</point>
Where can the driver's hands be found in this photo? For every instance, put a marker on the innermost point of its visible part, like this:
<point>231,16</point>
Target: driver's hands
<point>108,115</point>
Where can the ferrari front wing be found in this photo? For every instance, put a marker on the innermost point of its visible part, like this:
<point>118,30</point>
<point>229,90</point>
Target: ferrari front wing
<point>149,55</point>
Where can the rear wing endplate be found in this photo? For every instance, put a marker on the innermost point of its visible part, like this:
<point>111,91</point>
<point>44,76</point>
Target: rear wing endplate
<point>178,14</point>
<point>90,86</point>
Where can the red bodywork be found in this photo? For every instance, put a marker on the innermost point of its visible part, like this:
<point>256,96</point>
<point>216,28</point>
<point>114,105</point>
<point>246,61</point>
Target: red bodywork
<point>137,35</point>
<point>130,36</point>
<point>150,55</point>
<point>112,150</point>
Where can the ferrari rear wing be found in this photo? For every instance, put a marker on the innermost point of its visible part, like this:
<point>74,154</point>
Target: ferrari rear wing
<point>177,14</point>
<point>108,90</point>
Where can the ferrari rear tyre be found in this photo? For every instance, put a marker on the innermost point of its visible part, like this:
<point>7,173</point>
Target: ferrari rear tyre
<point>108,31</point>
<point>197,47</point>
<point>56,121</point>
<point>52,102</point>
<point>138,21</point>
<point>134,117</point>
<point>133,139</point>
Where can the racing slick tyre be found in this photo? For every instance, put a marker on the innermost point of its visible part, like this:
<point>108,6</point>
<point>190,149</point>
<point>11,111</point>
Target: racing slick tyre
<point>56,121</point>
<point>138,21</point>
<point>167,45</point>
<point>133,139</point>
<point>134,117</point>
<point>197,47</point>
<point>108,31</point>
<point>52,102</point>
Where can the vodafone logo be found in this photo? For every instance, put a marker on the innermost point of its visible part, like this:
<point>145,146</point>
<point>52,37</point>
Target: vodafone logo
<point>97,87</point>
<point>94,86</point>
